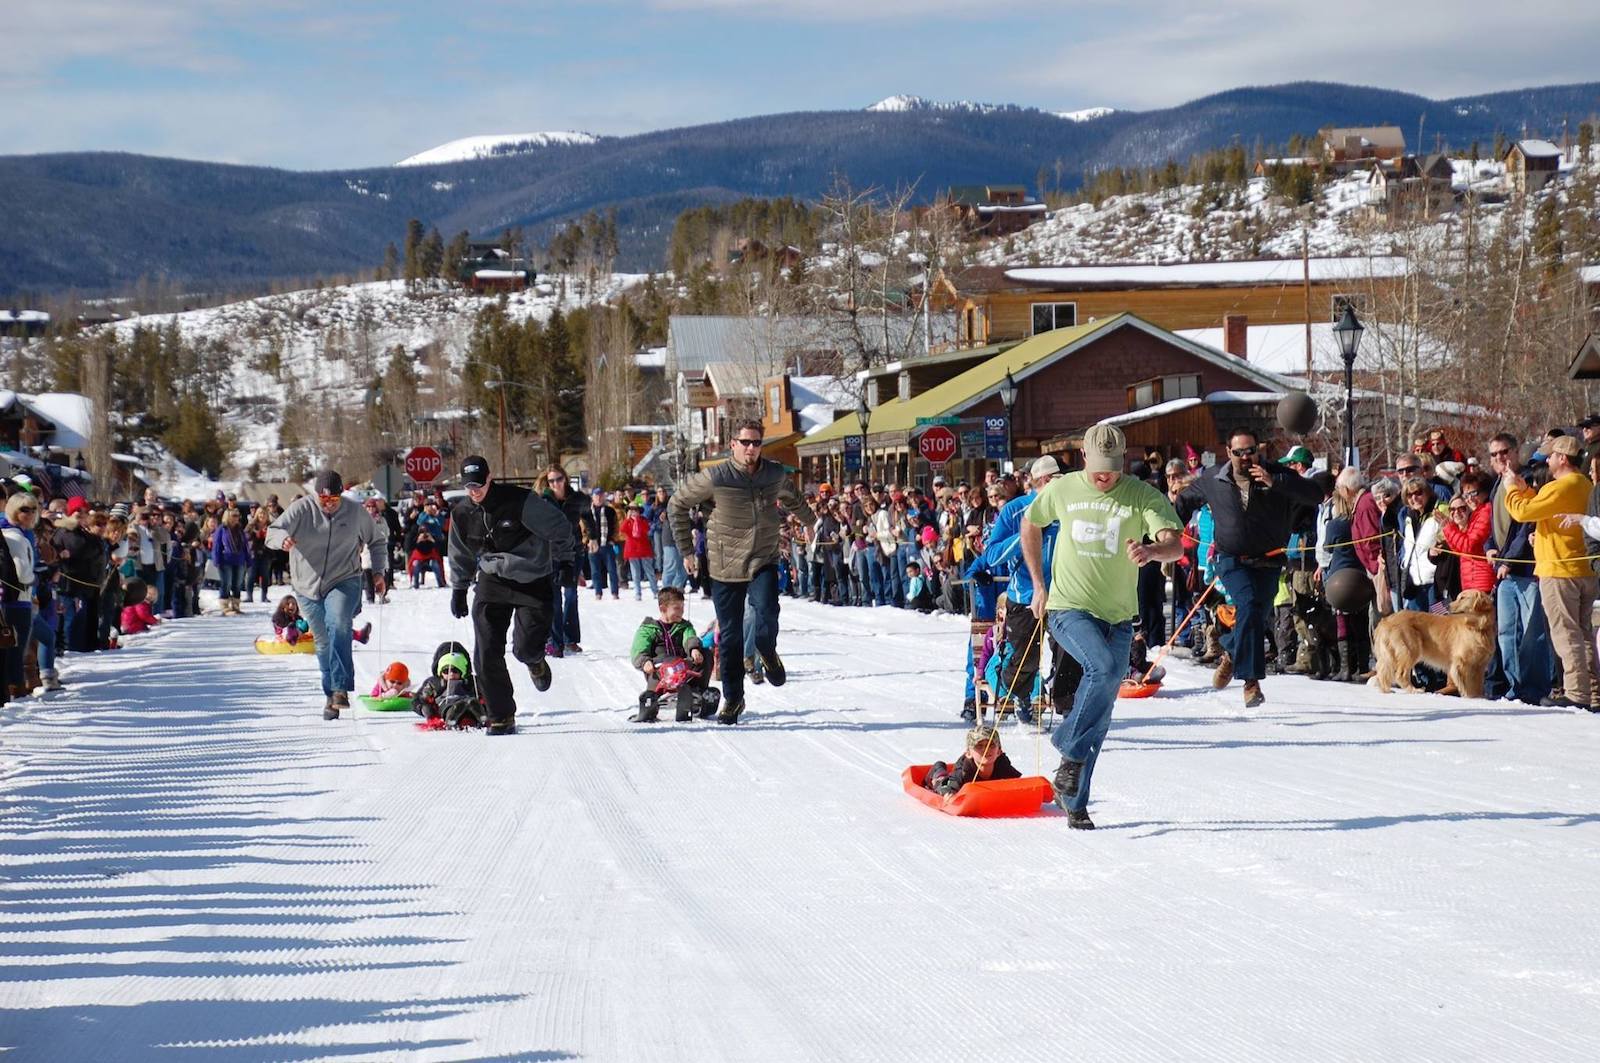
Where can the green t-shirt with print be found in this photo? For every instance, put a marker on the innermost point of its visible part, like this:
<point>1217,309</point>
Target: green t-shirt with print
<point>1090,569</point>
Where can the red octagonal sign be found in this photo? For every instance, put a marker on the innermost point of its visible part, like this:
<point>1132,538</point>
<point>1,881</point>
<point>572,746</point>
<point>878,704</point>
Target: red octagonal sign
<point>423,464</point>
<point>938,445</point>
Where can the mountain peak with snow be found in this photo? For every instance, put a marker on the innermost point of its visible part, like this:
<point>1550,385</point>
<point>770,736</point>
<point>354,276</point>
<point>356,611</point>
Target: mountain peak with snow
<point>903,102</point>
<point>494,144</point>
<point>1087,114</point>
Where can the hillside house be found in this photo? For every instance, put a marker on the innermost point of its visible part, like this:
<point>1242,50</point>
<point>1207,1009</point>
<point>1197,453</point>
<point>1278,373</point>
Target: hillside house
<point>488,267</point>
<point>1000,304</point>
<point>1411,187</point>
<point>748,249</point>
<point>994,210</point>
<point>1350,147</point>
<point>1530,165</point>
<point>23,323</point>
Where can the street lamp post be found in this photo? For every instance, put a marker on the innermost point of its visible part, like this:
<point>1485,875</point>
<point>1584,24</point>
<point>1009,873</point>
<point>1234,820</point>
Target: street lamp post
<point>863,418</point>
<point>1348,331</point>
<point>1008,399</point>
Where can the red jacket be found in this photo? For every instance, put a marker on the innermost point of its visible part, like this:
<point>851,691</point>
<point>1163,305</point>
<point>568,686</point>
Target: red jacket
<point>138,618</point>
<point>1365,527</point>
<point>1476,572</point>
<point>636,540</point>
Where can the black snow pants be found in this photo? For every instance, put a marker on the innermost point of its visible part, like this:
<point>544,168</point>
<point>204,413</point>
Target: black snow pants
<point>530,629</point>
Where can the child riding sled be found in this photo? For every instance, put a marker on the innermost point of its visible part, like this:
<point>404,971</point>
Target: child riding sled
<point>669,653</point>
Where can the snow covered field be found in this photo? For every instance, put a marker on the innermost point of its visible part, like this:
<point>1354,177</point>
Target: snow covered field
<point>194,865</point>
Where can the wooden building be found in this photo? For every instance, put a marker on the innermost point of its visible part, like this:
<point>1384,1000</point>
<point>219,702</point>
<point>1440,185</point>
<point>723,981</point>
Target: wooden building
<point>1067,380</point>
<point>1345,148</point>
<point>999,304</point>
<point>488,267</point>
<point>1530,165</point>
<point>1411,187</point>
<point>994,210</point>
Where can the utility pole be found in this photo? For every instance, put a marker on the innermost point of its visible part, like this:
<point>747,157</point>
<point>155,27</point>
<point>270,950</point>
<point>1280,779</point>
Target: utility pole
<point>1305,272</point>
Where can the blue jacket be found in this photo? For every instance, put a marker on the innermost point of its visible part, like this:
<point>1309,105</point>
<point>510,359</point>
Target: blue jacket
<point>1003,553</point>
<point>230,546</point>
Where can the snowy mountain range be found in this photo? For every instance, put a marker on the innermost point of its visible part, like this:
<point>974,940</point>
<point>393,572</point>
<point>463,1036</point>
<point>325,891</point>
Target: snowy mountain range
<point>99,222</point>
<point>902,103</point>
<point>494,144</point>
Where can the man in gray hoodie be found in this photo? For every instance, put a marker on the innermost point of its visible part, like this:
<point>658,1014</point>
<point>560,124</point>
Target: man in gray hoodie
<point>325,535</point>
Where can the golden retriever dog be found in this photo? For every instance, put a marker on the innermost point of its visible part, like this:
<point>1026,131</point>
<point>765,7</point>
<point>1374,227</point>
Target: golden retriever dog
<point>1459,643</point>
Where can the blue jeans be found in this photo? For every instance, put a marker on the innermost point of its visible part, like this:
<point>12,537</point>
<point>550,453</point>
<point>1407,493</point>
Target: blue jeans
<point>232,580</point>
<point>1422,601</point>
<point>640,569</point>
<point>907,553</point>
<point>1251,589</point>
<point>802,575</point>
<point>44,633</point>
<point>603,563</point>
<point>731,600</point>
<point>564,627</point>
<point>77,621</point>
<point>1102,649</point>
<point>330,618</point>
<point>879,572</point>
<point>1524,638</point>
<point>672,571</point>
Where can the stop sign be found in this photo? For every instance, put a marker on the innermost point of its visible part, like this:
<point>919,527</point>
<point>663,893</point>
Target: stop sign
<point>423,464</point>
<point>938,445</point>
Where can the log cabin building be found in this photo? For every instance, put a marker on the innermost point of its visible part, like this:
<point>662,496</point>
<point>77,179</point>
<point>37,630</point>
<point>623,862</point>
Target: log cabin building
<point>1001,304</point>
<point>1530,165</point>
<point>994,210</point>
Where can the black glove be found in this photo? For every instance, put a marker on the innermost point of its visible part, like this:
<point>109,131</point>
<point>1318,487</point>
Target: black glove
<point>566,575</point>
<point>458,602</point>
<point>983,577</point>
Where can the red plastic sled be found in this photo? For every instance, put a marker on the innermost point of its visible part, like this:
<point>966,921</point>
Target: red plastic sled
<point>1133,688</point>
<point>987,800</point>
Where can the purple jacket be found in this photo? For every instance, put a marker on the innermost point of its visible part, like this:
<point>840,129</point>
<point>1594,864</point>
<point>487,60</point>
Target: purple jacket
<point>230,546</point>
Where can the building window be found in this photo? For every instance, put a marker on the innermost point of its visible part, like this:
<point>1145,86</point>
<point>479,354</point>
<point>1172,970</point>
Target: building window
<point>1180,387</point>
<point>1144,394</point>
<point>1361,304</point>
<point>1050,316</point>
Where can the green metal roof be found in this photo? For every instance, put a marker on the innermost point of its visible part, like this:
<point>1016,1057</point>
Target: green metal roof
<point>963,390</point>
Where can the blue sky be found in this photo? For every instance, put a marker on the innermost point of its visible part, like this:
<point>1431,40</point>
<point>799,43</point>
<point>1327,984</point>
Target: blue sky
<point>310,84</point>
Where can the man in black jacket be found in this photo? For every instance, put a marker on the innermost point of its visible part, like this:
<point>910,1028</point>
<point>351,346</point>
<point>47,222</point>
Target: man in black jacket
<point>519,547</point>
<point>1253,508</point>
<point>566,632</point>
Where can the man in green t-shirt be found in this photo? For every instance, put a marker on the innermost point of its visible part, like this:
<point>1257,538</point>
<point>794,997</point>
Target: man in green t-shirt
<point>1104,518</point>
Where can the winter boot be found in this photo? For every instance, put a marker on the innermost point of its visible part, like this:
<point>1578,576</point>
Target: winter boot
<point>684,703</point>
<point>1066,781</point>
<point>1080,820</point>
<point>1224,673</point>
<point>731,712</point>
<point>507,726</point>
<point>1252,694</point>
<point>969,710</point>
<point>649,708</point>
<point>751,671</point>
<point>1346,661</point>
<point>50,680</point>
<point>330,709</point>
<point>540,671</point>
<point>708,703</point>
<point>553,649</point>
<point>773,667</point>
<point>364,634</point>
<point>1025,712</point>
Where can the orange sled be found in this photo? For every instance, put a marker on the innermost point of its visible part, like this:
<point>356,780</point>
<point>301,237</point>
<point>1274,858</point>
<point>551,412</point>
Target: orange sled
<point>1134,688</point>
<point>987,800</point>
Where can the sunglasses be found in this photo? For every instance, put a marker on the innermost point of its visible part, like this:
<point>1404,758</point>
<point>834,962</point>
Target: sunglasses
<point>748,442</point>
<point>1499,453</point>
<point>1244,452</point>
<point>328,498</point>
<point>1418,494</point>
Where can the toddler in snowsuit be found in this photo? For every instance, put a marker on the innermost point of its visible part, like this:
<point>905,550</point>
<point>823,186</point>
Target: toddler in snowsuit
<point>670,638</point>
<point>291,627</point>
<point>138,612</point>
<point>395,682</point>
<point>982,761</point>
<point>450,694</point>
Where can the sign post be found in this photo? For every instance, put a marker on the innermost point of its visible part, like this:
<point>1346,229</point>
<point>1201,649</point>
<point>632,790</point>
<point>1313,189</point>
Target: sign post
<point>423,464</point>
<point>997,438</point>
<point>937,445</point>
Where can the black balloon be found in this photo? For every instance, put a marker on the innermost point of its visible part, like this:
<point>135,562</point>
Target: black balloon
<point>1349,590</point>
<point>1297,413</point>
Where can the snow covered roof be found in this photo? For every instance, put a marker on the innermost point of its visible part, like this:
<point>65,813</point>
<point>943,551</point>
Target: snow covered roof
<point>653,358</point>
<point>481,147</point>
<point>1257,271</point>
<point>1538,149</point>
<point>696,340</point>
<point>73,415</point>
<point>24,317</point>
<point>1025,208</point>
<point>1589,274</point>
<point>499,274</point>
<point>1158,410</point>
<point>1281,349</point>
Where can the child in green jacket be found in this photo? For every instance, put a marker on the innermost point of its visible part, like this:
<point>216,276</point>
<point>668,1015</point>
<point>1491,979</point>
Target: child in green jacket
<point>661,648</point>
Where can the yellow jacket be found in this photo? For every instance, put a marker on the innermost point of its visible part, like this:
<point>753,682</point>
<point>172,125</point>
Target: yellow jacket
<point>1556,550</point>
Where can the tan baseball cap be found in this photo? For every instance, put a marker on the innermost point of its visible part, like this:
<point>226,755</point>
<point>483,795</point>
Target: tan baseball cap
<point>1567,445</point>
<point>1045,466</point>
<point>1103,447</point>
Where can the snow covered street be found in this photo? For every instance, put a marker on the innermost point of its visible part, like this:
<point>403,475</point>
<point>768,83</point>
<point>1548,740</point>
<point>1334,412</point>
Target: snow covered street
<point>194,865</point>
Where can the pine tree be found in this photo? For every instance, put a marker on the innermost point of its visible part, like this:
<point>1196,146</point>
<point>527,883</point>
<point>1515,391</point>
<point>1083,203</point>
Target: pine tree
<point>195,438</point>
<point>456,253</point>
<point>391,262</point>
<point>413,251</point>
<point>430,260</point>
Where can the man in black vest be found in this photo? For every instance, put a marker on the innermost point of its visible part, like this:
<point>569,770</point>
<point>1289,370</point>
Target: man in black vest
<point>519,547</point>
